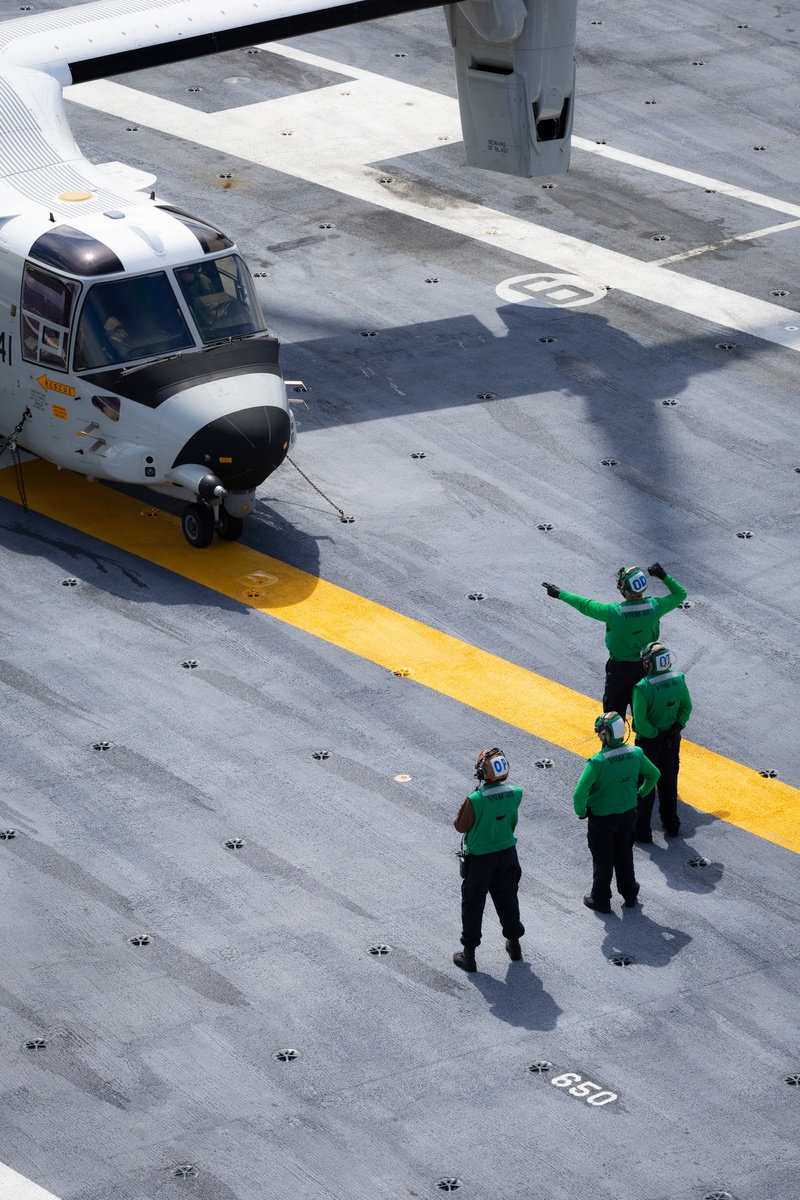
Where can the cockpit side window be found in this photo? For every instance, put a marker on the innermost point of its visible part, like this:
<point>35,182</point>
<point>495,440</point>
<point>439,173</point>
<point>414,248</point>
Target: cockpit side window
<point>129,319</point>
<point>48,302</point>
<point>221,297</point>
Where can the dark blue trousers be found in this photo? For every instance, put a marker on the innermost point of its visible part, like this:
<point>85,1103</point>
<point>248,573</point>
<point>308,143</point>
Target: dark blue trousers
<point>664,752</point>
<point>611,843</point>
<point>621,678</point>
<point>496,874</point>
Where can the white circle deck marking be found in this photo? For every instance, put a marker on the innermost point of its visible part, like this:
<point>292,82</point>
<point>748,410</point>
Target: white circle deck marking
<point>547,290</point>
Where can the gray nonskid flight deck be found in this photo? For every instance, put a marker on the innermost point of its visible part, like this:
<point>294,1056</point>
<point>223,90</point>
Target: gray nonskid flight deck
<point>408,1074</point>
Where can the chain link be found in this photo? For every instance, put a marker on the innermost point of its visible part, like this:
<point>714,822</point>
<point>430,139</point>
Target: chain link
<point>345,520</point>
<point>11,444</point>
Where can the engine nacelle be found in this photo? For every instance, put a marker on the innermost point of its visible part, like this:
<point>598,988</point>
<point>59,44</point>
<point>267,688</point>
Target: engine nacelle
<point>515,69</point>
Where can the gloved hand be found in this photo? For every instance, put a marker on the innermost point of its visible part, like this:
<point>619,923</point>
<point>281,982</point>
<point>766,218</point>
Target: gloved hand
<point>552,590</point>
<point>657,570</point>
<point>673,734</point>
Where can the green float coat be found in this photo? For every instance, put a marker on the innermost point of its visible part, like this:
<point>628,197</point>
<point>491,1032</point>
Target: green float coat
<point>630,624</point>
<point>609,781</point>
<point>659,701</point>
<point>496,807</point>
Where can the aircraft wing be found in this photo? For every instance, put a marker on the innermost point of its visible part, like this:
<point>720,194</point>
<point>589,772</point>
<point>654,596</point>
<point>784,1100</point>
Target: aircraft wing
<point>514,58</point>
<point>92,41</point>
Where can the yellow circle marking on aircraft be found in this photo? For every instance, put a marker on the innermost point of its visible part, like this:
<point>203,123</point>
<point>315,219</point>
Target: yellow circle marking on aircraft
<point>75,197</point>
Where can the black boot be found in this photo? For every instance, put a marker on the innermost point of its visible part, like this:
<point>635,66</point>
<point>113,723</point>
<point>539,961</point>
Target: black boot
<point>466,959</point>
<point>513,949</point>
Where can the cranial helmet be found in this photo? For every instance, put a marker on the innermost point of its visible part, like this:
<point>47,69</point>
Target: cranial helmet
<point>631,581</point>
<point>655,658</point>
<point>610,727</point>
<point>492,766</point>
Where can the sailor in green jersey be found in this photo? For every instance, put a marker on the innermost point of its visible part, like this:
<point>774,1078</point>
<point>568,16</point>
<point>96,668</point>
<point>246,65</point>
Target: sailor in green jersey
<point>487,820</point>
<point>629,625</point>
<point>607,793</point>
<point>661,707</point>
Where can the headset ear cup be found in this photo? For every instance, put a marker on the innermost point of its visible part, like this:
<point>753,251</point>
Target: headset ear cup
<point>480,765</point>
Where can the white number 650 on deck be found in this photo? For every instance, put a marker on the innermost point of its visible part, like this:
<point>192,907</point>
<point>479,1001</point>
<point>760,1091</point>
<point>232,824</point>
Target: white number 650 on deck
<point>592,1093</point>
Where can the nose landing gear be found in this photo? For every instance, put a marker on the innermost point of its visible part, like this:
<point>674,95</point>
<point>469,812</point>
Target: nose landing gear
<point>229,528</point>
<point>199,525</point>
<point>208,515</point>
<point>197,522</point>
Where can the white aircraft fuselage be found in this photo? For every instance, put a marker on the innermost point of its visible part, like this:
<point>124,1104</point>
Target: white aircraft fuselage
<point>129,331</point>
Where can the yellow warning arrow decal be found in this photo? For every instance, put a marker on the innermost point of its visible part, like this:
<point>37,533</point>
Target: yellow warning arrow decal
<point>54,386</point>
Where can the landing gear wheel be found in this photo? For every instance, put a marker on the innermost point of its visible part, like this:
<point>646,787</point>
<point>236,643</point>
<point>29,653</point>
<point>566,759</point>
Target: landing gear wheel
<point>197,521</point>
<point>229,528</point>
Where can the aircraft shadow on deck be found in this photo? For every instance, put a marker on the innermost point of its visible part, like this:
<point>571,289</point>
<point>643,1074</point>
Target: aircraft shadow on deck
<point>115,571</point>
<point>459,362</point>
<point>266,530</point>
<point>456,362</point>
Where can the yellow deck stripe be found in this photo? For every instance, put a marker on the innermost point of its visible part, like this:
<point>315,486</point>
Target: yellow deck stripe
<point>709,782</point>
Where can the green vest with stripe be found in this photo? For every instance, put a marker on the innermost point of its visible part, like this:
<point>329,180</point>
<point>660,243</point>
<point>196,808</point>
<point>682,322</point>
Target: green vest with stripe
<point>659,701</point>
<point>630,624</point>
<point>496,808</point>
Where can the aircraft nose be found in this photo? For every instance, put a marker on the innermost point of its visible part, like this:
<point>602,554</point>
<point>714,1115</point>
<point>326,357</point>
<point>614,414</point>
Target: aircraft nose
<point>242,448</point>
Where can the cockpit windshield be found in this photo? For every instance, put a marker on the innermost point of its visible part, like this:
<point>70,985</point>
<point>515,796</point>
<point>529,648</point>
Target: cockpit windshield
<point>129,319</point>
<point>221,298</point>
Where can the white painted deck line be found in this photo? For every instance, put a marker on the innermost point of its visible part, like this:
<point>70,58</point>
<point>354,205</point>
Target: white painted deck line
<point>579,143</point>
<point>329,137</point>
<point>14,1186</point>
<point>739,237</point>
<point>703,181</point>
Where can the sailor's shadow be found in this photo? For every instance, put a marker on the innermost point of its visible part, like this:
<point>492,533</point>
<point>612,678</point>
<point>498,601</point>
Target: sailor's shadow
<point>694,819</point>
<point>519,999</point>
<point>685,869</point>
<point>642,939</point>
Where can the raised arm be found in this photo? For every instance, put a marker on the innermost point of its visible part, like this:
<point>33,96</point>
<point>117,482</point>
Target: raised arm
<point>589,608</point>
<point>677,592</point>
